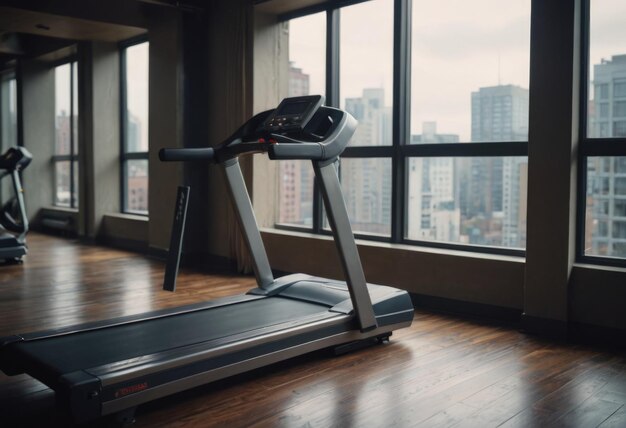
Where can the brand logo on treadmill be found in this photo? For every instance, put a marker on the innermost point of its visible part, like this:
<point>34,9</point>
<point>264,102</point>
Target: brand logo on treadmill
<point>131,389</point>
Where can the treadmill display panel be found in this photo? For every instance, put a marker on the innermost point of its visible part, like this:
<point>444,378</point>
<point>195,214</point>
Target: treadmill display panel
<point>293,114</point>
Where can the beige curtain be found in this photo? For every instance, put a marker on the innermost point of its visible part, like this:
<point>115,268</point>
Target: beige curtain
<point>231,52</point>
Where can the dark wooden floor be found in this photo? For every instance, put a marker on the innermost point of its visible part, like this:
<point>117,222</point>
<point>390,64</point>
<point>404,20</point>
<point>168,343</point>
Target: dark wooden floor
<point>443,371</point>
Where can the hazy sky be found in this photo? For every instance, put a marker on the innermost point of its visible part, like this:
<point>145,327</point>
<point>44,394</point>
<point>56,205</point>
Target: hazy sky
<point>458,46</point>
<point>137,72</point>
<point>62,89</point>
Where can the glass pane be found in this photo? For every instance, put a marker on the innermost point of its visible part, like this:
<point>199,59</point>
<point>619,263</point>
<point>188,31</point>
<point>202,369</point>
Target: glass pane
<point>62,109</point>
<point>307,76</point>
<point>607,71</point>
<point>8,110</point>
<point>62,181</point>
<point>136,75</point>
<point>75,106</point>
<point>479,201</point>
<point>307,55</point>
<point>366,75</point>
<point>75,177</point>
<point>136,186</point>
<point>470,70</point>
<point>366,185</point>
<point>296,193</point>
<point>605,223</point>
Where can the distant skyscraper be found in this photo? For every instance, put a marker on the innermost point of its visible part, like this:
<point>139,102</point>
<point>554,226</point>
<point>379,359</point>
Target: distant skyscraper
<point>433,191</point>
<point>367,181</point>
<point>296,177</point>
<point>606,176</point>
<point>298,81</point>
<point>494,185</point>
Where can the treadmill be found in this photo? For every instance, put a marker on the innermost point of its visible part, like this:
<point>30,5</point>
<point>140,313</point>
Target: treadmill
<point>13,216</point>
<point>111,367</point>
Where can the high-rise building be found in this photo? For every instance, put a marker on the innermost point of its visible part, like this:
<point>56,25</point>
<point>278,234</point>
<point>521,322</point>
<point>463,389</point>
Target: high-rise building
<point>298,81</point>
<point>606,178</point>
<point>494,185</point>
<point>367,181</point>
<point>433,191</point>
<point>296,176</point>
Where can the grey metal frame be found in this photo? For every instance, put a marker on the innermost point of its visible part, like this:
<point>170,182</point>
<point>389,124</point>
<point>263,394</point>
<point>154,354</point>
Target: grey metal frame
<point>117,405</point>
<point>337,213</point>
<point>247,222</point>
<point>19,194</point>
<point>330,189</point>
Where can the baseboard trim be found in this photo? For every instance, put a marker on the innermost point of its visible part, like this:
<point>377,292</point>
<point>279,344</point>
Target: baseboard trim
<point>598,335</point>
<point>463,308</point>
<point>123,244</point>
<point>546,327</point>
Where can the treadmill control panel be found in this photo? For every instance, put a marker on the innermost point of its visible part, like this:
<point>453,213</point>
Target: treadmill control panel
<point>293,114</point>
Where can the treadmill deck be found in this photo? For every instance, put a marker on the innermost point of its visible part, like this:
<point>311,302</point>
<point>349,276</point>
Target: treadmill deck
<point>72,352</point>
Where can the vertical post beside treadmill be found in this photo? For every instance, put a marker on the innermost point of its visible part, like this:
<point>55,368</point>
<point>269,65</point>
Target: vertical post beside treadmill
<point>176,239</point>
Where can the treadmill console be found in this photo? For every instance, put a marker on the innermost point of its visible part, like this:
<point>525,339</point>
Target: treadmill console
<point>293,114</point>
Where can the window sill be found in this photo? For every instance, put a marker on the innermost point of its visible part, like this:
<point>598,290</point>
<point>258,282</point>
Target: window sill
<point>61,209</point>
<point>127,216</point>
<point>604,268</point>
<point>400,247</point>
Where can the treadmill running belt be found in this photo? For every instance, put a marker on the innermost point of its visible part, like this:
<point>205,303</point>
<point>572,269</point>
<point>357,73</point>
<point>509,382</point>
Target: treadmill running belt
<point>64,354</point>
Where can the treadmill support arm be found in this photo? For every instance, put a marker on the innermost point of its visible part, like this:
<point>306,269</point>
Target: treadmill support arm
<point>247,222</point>
<point>19,194</point>
<point>330,187</point>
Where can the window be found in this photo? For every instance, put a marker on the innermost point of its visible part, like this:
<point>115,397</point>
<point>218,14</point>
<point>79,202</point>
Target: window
<point>440,154</point>
<point>603,146</point>
<point>8,110</point>
<point>307,76</point>
<point>135,128</point>
<point>65,158</point>
<point>619,109</point>
<point>366,89</point>
<point>619,88</point>
<point>602,91</point>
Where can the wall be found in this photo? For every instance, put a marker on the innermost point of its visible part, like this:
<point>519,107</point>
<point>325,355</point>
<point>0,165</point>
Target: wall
<point>165,127</point>
<point>99,106</point>
<point>38,136</point>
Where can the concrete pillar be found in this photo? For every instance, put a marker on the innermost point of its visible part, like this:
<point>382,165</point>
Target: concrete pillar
<point>165,128</point>
<point>38,135</point>
<point>99,134</point>
<point>553,139</point>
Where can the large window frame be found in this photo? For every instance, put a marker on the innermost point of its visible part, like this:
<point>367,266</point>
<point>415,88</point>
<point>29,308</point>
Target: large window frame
<point>590,147</point>
<point>401,151</point>
<point>125,155</point>
<point>72,156</point>
<point>7,75</point>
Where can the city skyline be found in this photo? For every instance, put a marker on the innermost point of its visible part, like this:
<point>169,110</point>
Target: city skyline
<point>605,222</point>
<point>443,192</point>
<point>452,56</point>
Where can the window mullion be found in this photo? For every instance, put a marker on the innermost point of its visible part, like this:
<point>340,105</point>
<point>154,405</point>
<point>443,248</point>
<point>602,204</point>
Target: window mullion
<point>401,96</point>
<point>332,98</point>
